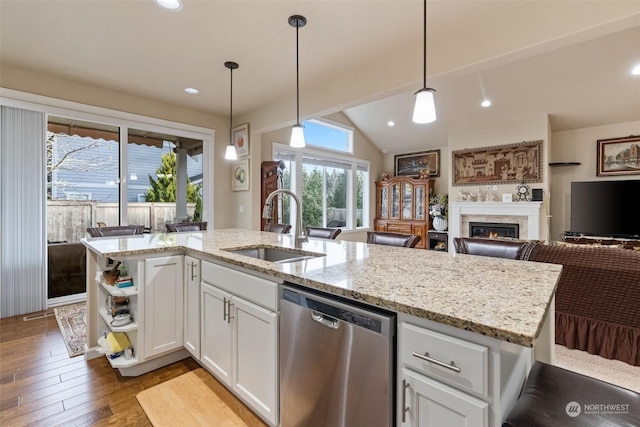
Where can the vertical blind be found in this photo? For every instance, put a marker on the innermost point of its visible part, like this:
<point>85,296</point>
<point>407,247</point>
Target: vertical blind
<point>22,212</point>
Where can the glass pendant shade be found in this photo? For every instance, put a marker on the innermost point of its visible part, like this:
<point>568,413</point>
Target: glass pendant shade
<point>231,154</point>
<point>425,108</point>
<point>297,136</point>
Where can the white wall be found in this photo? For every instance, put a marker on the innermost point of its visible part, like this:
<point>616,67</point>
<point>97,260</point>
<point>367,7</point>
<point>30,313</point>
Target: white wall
<point>579,145</point>
<point>531,128</point>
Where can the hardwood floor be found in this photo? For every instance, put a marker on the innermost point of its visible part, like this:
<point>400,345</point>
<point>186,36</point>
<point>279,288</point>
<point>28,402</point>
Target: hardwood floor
<point>40,385</point>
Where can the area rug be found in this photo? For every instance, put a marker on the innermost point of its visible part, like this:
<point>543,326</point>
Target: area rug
<point>187,401</point>
<point>72,320</point>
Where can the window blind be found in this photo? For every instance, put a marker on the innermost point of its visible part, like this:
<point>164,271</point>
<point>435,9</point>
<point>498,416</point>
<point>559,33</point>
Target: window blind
<point>22,212</point>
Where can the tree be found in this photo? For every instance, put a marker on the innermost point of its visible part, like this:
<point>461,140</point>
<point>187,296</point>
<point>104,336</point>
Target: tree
<point>72,153</point>
<point>312,197</point>
<point>163,189</point>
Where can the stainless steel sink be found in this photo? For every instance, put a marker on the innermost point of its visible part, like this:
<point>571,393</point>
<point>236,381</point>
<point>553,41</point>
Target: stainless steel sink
<point>279,256</point>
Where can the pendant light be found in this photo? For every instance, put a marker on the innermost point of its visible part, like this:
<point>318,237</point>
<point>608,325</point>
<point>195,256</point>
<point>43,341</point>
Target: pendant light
<point>297,131</point>
<point>425,109</point>
<point>231,154</point>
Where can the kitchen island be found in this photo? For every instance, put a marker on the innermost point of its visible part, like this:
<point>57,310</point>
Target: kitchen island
<point>504,306</point>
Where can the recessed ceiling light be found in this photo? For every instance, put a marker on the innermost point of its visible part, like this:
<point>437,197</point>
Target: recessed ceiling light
<point>191,90</point>
<point>636,70</point>
<point>486,103</point>
<point>391,123</point>
<point>174,5</point>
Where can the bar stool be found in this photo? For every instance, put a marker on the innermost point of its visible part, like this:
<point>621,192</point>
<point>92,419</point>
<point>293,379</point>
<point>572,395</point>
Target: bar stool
<point>393,239</point>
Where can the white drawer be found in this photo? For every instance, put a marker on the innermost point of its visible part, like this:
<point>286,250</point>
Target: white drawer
<point>470,372</point>
<point>255,289</point>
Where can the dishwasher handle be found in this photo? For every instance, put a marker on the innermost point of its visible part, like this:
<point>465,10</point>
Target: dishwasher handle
<point>325,320</point>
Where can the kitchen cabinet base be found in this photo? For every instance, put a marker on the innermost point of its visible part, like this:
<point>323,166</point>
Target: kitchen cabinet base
<point>153,364</point>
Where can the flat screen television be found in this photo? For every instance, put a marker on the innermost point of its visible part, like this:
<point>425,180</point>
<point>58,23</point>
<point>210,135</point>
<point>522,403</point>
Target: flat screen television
<point>606,208</point>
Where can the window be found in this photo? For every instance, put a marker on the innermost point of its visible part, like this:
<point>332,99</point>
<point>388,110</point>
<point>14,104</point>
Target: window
<point>93,176</point>
<point>156,170</point>
<point>334,188</point>
<point>83,184</point>
<point>328,135</point>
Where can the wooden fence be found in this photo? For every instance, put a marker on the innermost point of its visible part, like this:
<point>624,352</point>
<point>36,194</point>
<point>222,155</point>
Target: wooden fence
<point>68,220</point>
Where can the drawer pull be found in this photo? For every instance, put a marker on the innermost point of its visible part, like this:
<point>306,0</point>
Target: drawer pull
<point>427,358</point>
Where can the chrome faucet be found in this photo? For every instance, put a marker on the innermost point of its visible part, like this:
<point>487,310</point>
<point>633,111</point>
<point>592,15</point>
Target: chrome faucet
<point>268,213</point>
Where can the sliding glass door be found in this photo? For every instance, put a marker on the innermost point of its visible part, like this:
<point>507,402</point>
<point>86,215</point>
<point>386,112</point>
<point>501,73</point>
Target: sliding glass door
<point>105,175</point>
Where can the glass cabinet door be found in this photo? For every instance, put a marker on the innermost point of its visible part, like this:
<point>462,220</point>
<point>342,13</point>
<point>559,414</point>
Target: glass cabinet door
<point>407,196</point>
<point>420,202</point>
<point>395,201</point>
<point>384,202</point>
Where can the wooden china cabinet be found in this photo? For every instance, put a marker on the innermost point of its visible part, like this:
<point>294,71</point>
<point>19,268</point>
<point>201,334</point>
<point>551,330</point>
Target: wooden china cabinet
<point>270,180</point>
<point>402,206</point>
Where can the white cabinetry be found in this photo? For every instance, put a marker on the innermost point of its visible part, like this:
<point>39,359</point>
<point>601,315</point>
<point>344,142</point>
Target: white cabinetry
<point>192,305</point>
<point>163,305</point>
<point>216,332</point>
<point>431,403</point>
<point>452,377</point>
<point>107,292</point>
<point>239,335</point>
<point>155,302</point>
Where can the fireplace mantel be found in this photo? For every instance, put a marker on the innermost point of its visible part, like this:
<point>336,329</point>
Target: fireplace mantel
<point>531,210</point>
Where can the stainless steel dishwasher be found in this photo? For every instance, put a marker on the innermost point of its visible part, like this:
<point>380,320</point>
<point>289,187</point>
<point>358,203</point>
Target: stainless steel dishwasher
<point>336,362</point>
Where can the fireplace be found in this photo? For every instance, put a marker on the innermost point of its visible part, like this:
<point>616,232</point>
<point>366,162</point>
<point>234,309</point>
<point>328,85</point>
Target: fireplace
<point>528,216</point>
<point>494,229</point>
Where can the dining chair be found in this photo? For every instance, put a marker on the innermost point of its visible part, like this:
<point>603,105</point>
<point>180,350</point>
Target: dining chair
<point>186,226</point>
<point>122,230</point>
<point>277,228</point>
<point>393,239</point>
<point>325,233</point>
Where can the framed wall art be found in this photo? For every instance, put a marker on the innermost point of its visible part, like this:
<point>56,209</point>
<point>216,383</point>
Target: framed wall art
<point>241,139</point>
<point>619,156</point>
<point>240,175</point>
<point>413,164</point>
<point>502,164</point>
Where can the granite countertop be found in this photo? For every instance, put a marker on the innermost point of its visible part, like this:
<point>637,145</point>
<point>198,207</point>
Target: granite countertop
<point>500,298</point>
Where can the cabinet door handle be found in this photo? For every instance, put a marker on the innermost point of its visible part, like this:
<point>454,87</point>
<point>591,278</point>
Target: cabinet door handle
<point>427,358</point>
<point>405,409</point>
<point>224,309</point>
<point>229,316</point>
<point>193,268</point>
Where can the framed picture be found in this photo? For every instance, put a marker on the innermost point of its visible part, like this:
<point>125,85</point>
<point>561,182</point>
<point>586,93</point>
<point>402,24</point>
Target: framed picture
<point>502,164</point>
<point>241,139</point>
<point>412,164</point>
<point>619,156</point>
<point>240,175</point>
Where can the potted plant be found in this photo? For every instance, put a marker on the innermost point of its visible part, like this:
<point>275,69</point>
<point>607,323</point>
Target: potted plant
<point>438,209</point>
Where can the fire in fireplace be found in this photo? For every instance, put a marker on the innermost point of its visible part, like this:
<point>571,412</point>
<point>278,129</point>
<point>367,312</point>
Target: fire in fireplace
<point>494,229</point>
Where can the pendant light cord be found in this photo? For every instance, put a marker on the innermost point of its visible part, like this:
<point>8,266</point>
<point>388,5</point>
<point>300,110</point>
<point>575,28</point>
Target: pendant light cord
<point>297,77</point>
<point>424,52</point>
<point>231,110</point>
